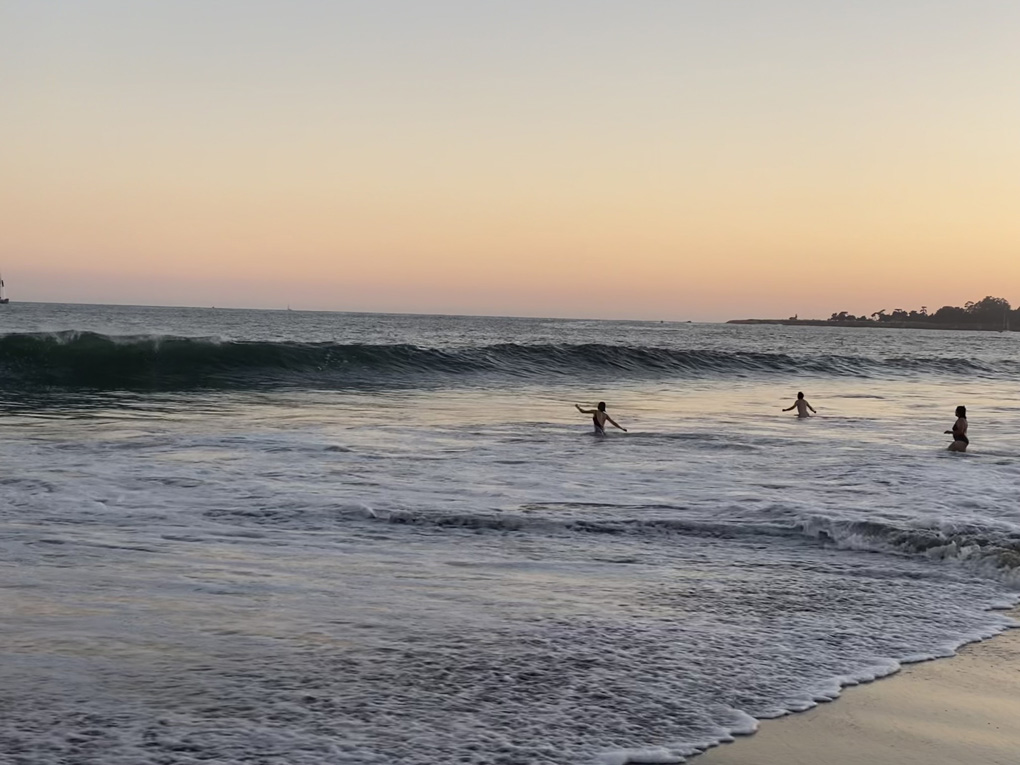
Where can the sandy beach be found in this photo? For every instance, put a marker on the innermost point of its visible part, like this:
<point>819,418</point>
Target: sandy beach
<point>965,709</point>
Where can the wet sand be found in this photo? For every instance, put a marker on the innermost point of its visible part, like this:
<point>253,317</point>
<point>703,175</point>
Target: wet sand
<point>964,710</point>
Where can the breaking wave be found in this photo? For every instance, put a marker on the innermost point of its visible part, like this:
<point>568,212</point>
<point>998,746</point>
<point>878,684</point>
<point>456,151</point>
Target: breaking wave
<point>994,552</point>
<point>159,362</point>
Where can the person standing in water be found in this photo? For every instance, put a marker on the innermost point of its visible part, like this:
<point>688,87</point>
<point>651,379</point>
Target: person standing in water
<point>959,431</point>
<point>801,405</point>
<point>600,418</point>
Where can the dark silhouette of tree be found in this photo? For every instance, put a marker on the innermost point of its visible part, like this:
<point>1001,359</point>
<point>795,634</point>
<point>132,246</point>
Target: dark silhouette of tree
<point>842,316</point>
<point>991,310</point>
<point>950,314</point>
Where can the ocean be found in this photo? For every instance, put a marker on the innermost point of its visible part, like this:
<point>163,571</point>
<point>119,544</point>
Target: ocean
<point>296,538</point>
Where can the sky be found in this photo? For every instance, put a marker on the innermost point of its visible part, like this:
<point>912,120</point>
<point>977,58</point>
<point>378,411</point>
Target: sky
<point>695,159</point>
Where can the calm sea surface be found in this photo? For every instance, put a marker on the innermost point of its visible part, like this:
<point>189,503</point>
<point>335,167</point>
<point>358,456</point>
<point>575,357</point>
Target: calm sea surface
<point>294,538</point>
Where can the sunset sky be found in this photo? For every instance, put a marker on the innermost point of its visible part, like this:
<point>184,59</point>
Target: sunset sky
<point>675,160</point>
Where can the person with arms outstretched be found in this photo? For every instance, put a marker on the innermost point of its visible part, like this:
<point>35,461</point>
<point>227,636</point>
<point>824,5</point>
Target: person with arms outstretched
<point>959,431</point>
<point>600,418</point>
<point>801,405</point>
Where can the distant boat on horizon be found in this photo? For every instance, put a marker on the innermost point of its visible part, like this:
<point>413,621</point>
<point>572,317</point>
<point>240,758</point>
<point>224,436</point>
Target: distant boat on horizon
<point>4,300</point>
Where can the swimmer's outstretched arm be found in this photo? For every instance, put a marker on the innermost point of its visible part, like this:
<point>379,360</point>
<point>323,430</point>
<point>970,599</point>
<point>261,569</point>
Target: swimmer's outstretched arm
<point>791,407</point>
<point>584,411</point>
<point>811,408</point>
<point>615,423</point>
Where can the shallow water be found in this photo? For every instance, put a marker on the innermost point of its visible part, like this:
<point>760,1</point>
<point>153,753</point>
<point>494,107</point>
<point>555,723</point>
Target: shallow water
<point>329,550</point>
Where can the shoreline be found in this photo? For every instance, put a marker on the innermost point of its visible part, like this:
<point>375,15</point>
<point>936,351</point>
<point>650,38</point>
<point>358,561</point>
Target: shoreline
<point>959,709</point>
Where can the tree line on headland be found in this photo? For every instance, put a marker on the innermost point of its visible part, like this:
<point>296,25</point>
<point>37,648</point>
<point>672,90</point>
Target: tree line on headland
<point>990,313</point>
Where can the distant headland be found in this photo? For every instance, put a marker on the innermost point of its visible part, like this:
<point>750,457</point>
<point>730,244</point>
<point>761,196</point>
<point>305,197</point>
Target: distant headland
<point>990,315</point>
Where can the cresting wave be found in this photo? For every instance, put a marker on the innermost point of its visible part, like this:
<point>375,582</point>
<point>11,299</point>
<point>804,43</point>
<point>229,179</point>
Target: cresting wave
<point>995,552</point>
<point>149,362</point>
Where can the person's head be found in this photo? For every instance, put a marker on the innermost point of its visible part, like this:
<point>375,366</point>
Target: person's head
<point>602,406</point>
<point>961,411</point>
<point>799,395</point>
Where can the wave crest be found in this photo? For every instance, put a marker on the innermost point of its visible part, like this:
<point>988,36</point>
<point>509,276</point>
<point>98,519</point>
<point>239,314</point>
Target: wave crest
<point>162,362</point>
<point>994,552</point>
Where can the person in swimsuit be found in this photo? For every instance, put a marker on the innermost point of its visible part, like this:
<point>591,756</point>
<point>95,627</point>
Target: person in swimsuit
<point>959,431</point>
<point>599,418</point>
<point>801,405</point>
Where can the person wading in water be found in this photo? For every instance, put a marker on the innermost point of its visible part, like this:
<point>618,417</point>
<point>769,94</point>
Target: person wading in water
<point>801,405</point>
<point>599,418</point>
<point>959,431</point>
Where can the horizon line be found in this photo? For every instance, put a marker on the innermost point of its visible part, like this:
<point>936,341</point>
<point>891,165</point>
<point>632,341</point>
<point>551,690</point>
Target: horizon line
<point>369,313</point>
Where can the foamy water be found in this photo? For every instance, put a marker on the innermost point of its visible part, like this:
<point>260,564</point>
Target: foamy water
<point>323,538</point>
